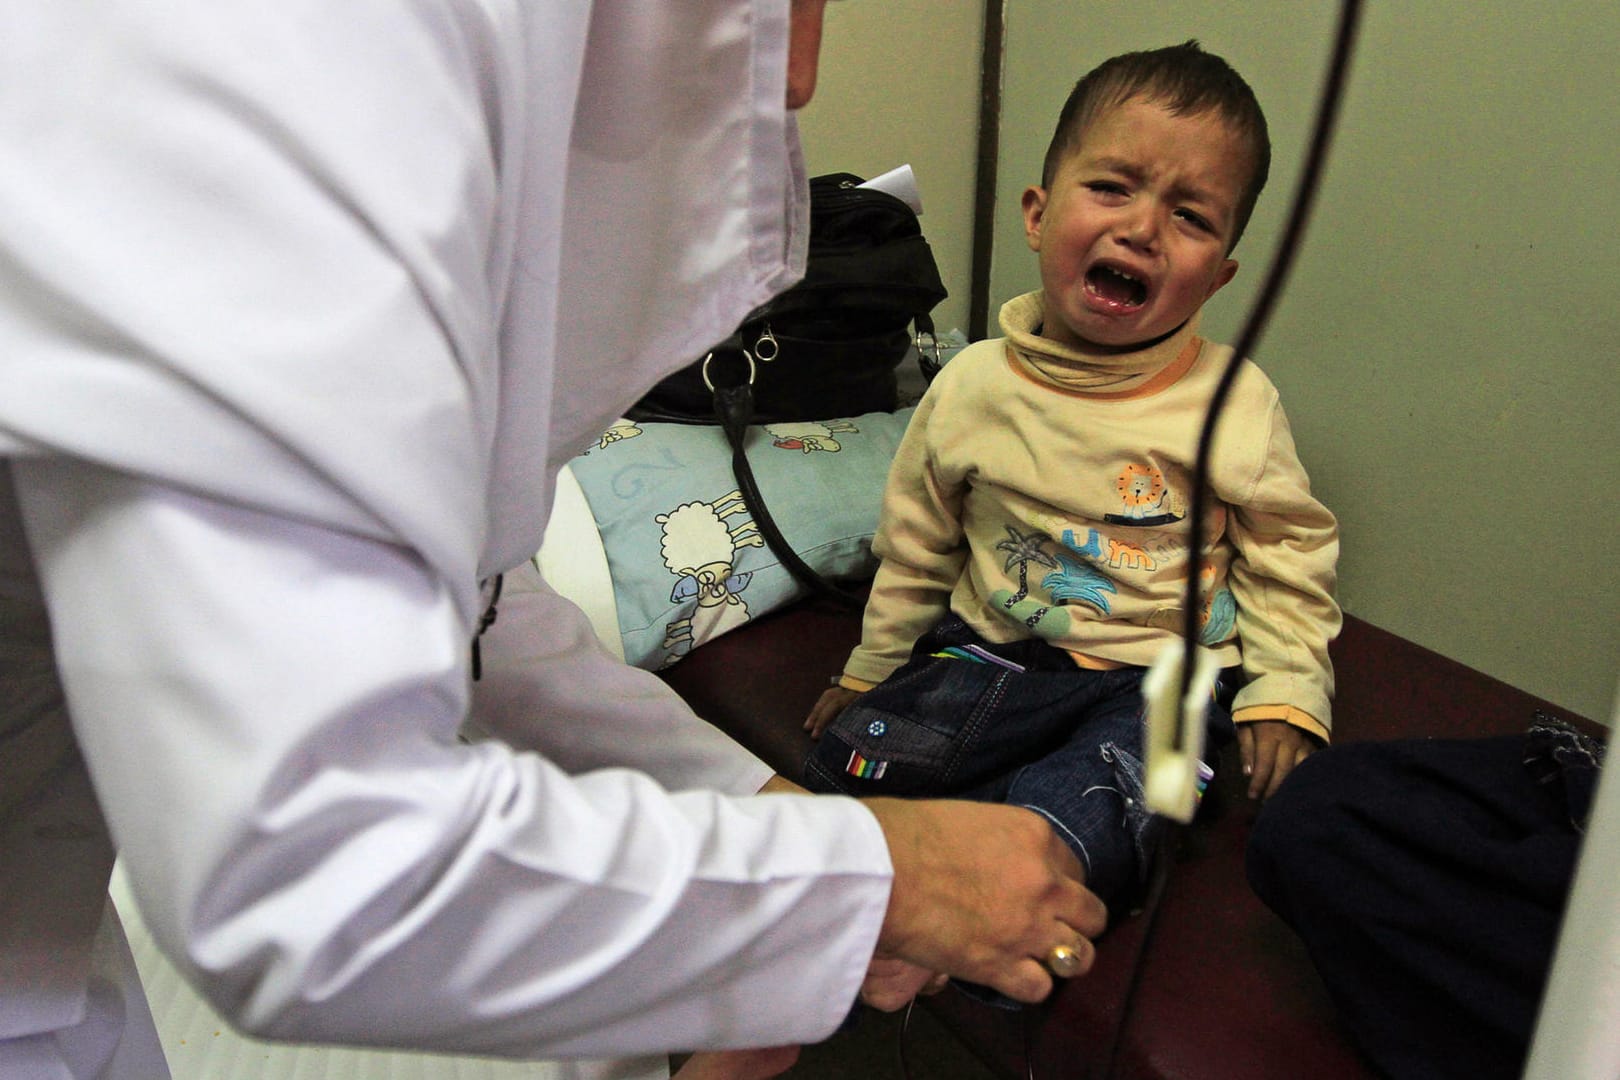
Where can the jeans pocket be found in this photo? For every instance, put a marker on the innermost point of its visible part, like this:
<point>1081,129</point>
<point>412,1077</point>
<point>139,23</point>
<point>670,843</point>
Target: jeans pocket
<point>905,736</point>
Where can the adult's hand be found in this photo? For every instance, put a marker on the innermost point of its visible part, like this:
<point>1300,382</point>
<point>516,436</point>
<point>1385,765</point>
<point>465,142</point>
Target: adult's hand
<point>892,982</point>
<point>984,892</point>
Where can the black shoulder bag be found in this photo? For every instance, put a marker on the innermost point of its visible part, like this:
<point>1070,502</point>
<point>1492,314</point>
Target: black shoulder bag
<point>825,349</point>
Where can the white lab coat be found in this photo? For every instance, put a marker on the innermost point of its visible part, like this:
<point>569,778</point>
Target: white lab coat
<point>302,305</point>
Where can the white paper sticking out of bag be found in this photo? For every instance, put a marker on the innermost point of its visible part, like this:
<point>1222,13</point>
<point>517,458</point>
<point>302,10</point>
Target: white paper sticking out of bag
<point>902,184</point>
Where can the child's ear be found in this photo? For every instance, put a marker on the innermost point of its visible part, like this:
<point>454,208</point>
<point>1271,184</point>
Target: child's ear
<point>1034,212</point>
<point>1226,273</point>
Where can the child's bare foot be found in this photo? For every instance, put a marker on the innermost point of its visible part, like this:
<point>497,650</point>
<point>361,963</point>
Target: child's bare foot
<point>738,1064</point>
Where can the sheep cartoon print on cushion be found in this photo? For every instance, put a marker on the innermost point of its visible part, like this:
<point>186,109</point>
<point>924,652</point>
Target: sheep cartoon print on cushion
<point>699,548</point>
<point>810,435</point>
<point>624,429</point>
<point>822,479</point>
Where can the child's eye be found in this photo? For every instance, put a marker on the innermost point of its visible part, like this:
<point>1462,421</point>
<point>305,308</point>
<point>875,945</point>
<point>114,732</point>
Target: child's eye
<point>1105,187</point>
<point>1196,220</point>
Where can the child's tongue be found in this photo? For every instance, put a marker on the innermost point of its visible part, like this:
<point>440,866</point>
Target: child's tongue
<point>1115,288</point>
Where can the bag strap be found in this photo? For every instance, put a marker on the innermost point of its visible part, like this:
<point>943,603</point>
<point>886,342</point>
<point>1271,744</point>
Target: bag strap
<point>734,408</point>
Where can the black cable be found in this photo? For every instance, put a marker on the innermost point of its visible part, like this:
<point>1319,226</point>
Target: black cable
<point>1164,851</point>
<point>1304,195</point>
<point>1029,1046</point>
<point>905,1027</point>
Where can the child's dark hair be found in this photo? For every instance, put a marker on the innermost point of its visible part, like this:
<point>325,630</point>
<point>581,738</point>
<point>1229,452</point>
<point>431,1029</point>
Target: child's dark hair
<point>1185,80</point>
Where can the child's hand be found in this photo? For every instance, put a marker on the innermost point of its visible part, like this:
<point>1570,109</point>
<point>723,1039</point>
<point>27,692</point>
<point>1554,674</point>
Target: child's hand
<point>833,700</point>
<point>1271,749</point>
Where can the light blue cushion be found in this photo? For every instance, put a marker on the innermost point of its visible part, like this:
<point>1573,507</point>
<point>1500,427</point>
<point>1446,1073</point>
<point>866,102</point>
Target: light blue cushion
<point>686,560</point>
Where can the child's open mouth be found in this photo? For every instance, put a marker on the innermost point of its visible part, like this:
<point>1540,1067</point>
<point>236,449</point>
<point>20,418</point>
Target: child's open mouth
<point>1116,288</point>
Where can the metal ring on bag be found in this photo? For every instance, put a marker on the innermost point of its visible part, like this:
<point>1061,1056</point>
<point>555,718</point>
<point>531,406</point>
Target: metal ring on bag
<point>759,351</point>
<point>933,339</point>
<point>710,383</point>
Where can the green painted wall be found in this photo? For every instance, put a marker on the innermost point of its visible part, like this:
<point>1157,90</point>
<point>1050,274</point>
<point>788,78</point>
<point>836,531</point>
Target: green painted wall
<point>1449,342</point>
<point>900,84</point>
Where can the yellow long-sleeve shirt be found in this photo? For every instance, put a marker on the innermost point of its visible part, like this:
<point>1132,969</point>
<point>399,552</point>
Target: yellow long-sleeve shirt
<point>1040,491</point>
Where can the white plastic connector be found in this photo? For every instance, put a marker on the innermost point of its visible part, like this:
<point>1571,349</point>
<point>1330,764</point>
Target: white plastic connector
<point>1173,785</point>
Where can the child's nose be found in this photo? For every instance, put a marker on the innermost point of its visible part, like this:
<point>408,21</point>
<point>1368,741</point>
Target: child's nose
<point>1139,229</point>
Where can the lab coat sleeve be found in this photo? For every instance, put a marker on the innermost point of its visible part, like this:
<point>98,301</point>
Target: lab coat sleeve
<point>269,710</point>
<point>541,659</point>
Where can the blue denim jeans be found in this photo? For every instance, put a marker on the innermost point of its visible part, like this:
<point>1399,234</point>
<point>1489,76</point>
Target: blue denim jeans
<point>1058,739</point>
